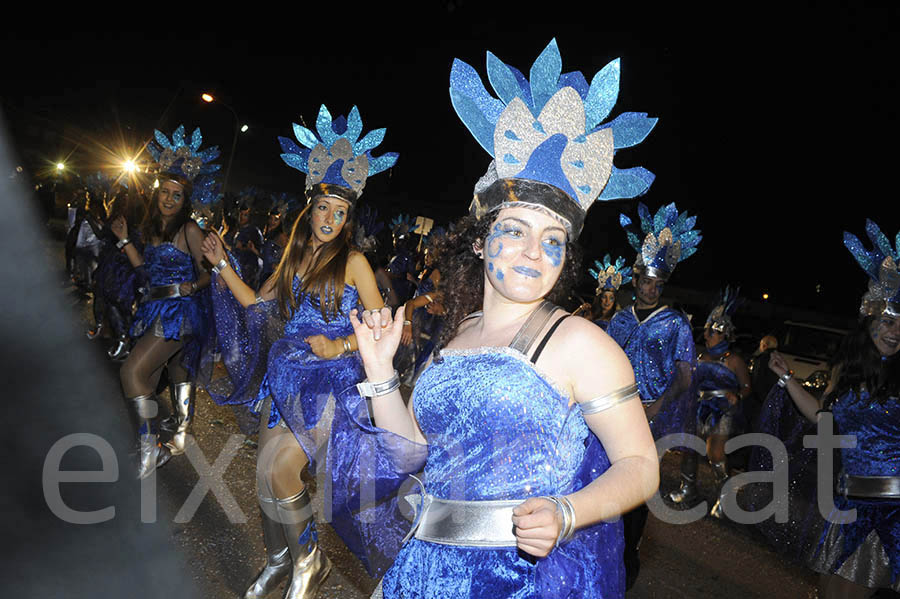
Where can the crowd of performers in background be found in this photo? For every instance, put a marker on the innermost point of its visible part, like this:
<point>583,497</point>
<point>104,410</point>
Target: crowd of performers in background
<point>284,294</point>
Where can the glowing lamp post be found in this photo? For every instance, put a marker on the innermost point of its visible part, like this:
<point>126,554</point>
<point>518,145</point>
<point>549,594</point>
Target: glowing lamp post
<point>60,167</point>
<point>209,99</point>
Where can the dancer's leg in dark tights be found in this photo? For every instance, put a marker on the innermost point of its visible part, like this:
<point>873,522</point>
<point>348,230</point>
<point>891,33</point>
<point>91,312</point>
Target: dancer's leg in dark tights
<point>832,586</point>
<point>140,372</point>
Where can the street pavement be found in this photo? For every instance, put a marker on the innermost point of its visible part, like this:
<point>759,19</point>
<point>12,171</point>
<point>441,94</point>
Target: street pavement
<point>221,542</point>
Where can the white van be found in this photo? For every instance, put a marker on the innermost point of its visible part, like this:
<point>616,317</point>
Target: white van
<point>807,349</point>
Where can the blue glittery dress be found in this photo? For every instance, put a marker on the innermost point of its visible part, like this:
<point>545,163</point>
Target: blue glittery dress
<point>653,347</point>
<point>865,551</point>
<point>177,318</point>
<point>499,429</point>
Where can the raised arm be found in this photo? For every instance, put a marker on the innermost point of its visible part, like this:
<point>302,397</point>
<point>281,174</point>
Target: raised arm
<point>804,400</point>
<point>119,227</point>
<point>194,236</point>
<point>214,251</point>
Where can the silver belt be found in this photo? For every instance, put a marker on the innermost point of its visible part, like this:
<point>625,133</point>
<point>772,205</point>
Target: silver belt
<point>163,292</point>
<point>706,395</point>
<point>471,523</point>
<point>875,487</point>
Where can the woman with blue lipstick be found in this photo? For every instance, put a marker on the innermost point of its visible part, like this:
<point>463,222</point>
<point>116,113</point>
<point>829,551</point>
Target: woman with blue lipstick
<point>527,422</point>
<point>290,347</point>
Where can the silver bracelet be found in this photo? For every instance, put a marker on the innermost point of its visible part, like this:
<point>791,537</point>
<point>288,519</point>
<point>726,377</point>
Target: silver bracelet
<point>122,243</point>
<point>367,389</point>
<point>347,347</point>
<point>567,511</point>
<point>784,378</point>
<point>222,264</point>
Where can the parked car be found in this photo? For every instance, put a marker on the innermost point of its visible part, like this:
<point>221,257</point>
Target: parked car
<point>807,349</point>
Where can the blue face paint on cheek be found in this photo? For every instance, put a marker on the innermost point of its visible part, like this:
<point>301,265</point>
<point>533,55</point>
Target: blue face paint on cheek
<point>499,275</point>
<point>554,253</point>
<point>338,218</point>
<point>494,245</point>
<point>491,266</point>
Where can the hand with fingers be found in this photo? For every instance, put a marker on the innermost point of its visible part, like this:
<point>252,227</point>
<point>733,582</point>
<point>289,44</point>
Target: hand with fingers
<point>378,336</point>
<point>538,524</point>
<point>778,364</point>
<point>212,248</point>
<point>119,227</point>
<point>324,347</point>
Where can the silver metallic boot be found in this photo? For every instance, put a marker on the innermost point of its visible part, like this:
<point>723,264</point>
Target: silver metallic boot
<point>686,493</point>
<point>183,403</point>
<point>278,557</point>
<point>310,564</point>
<point>151,454</point>
<point>720,472</point>
<point>119,351</point>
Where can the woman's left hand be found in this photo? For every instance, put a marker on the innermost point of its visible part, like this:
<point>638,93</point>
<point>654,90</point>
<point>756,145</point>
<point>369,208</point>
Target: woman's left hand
<point>324,347</point>
<point>537,526</point>
<point>186,288</point>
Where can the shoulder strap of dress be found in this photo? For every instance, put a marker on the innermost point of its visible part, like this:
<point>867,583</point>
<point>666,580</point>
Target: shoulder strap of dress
<point>546,338</point>
<point>535,323</point>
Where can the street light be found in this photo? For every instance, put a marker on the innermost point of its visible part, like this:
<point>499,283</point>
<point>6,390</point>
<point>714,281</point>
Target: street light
<point>244,129</point>
<point>209,99</point>
<point>129,166</point>
<point>60,166</point>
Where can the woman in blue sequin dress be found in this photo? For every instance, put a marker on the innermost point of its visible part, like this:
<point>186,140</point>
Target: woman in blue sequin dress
<point>171,323</point>
<point>863,397</point>
<point>287,349</point>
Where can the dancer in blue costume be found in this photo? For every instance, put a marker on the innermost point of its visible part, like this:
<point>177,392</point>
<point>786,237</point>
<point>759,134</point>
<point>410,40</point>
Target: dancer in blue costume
<point>536,441</point>
<point>722,382</point>
<point>424,313</point>
<point>291,345</point>
<point>658,340</point>
<point>171,323</point>
<point>863,396</point>
<point>610,276</point>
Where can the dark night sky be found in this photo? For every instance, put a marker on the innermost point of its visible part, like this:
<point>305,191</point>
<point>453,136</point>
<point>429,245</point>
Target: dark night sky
<point>776,127</point>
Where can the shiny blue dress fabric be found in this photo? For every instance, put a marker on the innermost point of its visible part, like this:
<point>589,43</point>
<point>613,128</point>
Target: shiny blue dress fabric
<point>808,538</point>
<point>877,453</point>
<point>115,278</point>
<point>653,346</point>
<point>271,255</point>
<point>713,376</point>
<point>181,318</point>
<point>499,429</point>
<point>426,329</point>
<point>602,323</point>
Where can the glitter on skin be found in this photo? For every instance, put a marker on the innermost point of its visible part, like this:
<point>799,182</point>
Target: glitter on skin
<point>554,253</point>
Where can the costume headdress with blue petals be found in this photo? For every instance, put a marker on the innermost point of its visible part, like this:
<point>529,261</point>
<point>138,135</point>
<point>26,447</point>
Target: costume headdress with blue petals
<point>882,264</point>
<point>719,318</point>
<point>336,161</point>
<point>181,157</point>
<point>665,239</point>
<point>545,135</point>
<point>402,225</point>
<point>610,275</point>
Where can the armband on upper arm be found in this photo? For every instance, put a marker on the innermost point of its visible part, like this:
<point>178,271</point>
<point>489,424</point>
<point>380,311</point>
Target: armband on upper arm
<point>609,400</point>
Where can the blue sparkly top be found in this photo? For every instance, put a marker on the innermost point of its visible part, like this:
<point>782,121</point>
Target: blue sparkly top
<point>165,264</point>
<point>653,347</point>
<point>496,428</point>
<point>712,376</point>
<point>877,430</point>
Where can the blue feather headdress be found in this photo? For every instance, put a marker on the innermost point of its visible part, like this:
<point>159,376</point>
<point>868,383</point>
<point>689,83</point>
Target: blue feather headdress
<point>665,239</point>
<point>610,275</point>
<point>336,161</point>
<point>882,264</point>
<point>181,157</point>
<point>546,137</point>
<point>402,225</point>
<point>719,318</point>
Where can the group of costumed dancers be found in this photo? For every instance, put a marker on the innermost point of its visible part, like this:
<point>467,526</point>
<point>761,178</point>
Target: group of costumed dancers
<point>521,462</point>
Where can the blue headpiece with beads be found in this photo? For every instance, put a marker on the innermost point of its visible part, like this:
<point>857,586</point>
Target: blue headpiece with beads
<point>719,318</point>
<point>664,239</point>
<point>185,158</point>
<point>336,161</point>
<point>610,275</point>
<point>546,137</point>
<point>882,264</point>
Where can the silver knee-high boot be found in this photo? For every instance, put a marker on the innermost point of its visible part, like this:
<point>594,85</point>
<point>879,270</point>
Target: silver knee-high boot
<point>151,454</point>
<point>720,473</point>
<point>686,493</point>
<point>310,565</point>
<point>183,404</point>
<point>278,557</point>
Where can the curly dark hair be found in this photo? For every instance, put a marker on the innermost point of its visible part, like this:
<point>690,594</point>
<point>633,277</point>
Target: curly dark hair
<point>458,263</point>
<point>862,364</point>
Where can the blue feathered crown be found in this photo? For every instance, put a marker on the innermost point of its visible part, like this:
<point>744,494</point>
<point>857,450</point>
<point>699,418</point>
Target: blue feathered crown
<point>334,155</point>
<point>610,275</point>
<point>548,129</point>
<point>882,264</point>
<point>402,225</point>
<point>668,238</point>
<point>180,157</point>
<point>719,318</point>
